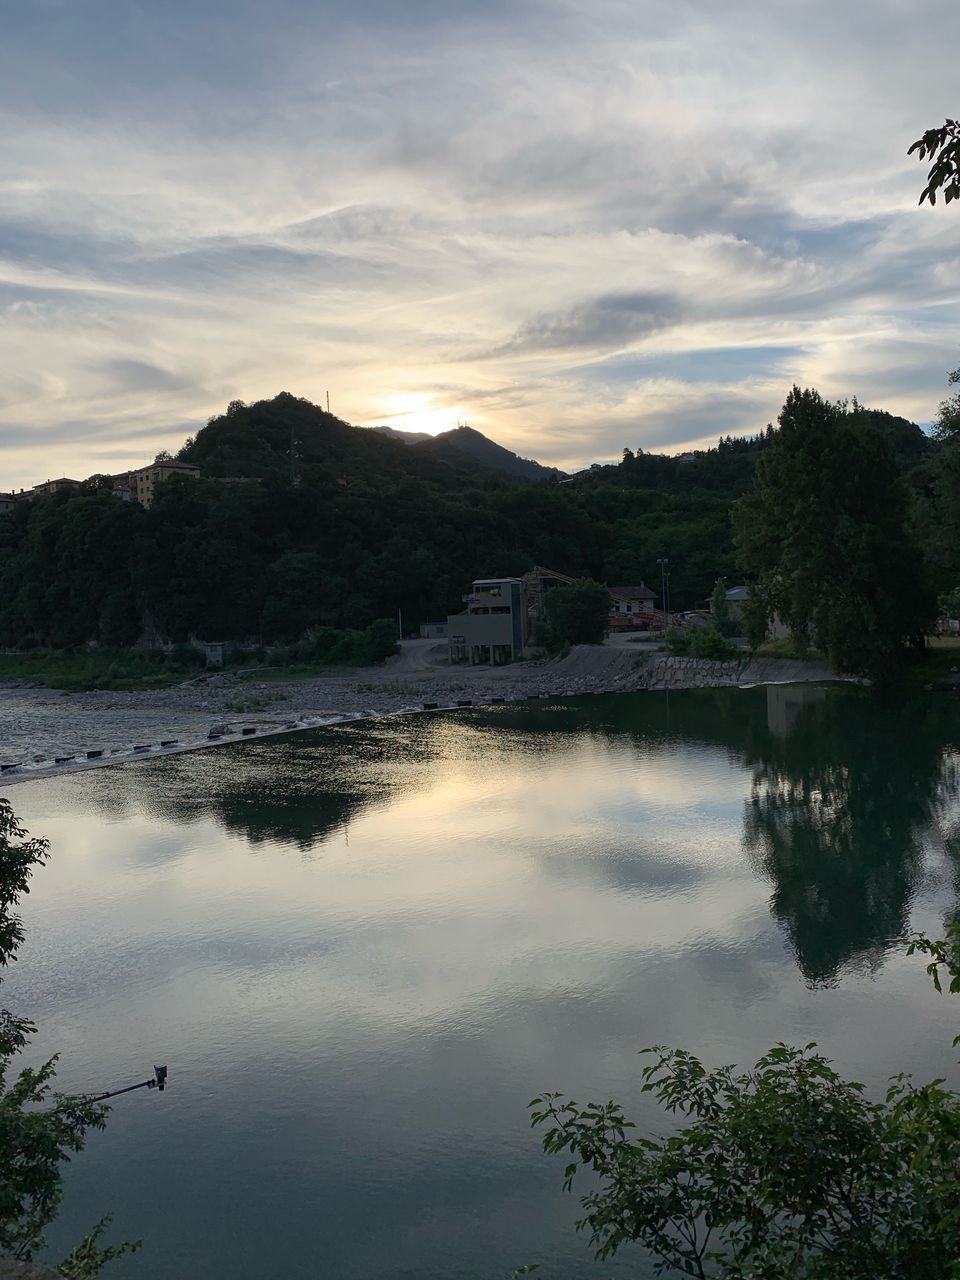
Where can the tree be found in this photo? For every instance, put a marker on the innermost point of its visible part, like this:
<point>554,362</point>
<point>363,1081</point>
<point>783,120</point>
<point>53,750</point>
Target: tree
<point>720,609</point>
<point>377,643</point>
<point>578,613</point>
<point>823,529</point>
<point>947,426</point>
<point>36,1138</point>
<point>942,145</point>
<point>786,1170</point>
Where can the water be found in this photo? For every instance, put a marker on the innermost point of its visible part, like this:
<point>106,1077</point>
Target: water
<point>363,950</point>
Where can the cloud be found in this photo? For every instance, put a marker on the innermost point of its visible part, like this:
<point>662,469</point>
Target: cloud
<point>605,323</point>
<point>576,226</point>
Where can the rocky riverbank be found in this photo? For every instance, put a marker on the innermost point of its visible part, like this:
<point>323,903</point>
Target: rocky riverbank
<point>44,731</point>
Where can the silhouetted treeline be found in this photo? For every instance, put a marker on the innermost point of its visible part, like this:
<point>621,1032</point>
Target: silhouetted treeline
<point>301,520</point>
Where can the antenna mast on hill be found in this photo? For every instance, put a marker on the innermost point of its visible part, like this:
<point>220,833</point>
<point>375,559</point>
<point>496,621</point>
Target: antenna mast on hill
<point>328,402</point>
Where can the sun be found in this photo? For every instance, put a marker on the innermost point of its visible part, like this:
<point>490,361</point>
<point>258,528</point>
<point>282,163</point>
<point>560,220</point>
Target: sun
<point>417,411</point>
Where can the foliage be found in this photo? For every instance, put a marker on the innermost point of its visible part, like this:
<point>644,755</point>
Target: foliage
<point>39,1129</point>
<point>824,530</point>
<point>947,425</point>
<point>948,604</point>
<point>786,1170</point>
<point>352,525</point>
<point>18,857</point>
<point>89,1257</point>
<point>331,646</point>
<point>942,145</point>
<point>377,642</point>
<point>76,670</point>
<point>578,613</point>
<point>706,643</point>
<point>720,611</point>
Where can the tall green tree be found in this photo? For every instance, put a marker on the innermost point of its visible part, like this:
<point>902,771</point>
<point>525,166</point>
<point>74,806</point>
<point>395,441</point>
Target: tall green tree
<point>578,613</point>
<point>824,532</point>
<point>947,425</point>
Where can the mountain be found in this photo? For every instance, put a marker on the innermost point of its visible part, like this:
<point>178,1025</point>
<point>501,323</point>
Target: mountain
<point>405,437</point>
<point>465,442</point>
<point>460,443</point>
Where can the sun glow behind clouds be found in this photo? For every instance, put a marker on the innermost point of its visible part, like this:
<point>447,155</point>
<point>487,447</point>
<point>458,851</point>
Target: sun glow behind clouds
<point>417,411</point>
<point>485,216</point>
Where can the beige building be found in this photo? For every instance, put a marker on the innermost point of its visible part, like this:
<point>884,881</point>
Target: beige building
<point>143,482</point>
<point>7,502</point>
<point>493,628</point>
<point>55,486</point>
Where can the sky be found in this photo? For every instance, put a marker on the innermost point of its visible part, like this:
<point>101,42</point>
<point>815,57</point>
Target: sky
<point>577,225</point>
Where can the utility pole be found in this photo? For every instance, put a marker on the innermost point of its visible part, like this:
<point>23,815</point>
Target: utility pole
<point>664,597</point>
<point>400,622</point>
<point>328,402</point>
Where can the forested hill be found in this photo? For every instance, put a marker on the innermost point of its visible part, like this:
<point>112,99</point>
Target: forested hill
<point>462,443</point>
<point>291,439</point>
<point>300,519</point>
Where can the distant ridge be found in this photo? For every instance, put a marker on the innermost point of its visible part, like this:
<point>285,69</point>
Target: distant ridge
<point>465,442</point>
<point>405,437</point>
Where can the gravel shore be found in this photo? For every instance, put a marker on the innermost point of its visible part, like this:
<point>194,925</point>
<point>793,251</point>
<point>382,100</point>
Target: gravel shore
<point>44,730</point>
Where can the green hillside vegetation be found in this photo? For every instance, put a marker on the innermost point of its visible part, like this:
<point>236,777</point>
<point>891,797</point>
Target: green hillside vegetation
<point>302,521</point>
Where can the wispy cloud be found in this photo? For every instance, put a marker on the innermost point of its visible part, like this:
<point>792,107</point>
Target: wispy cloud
<point>577,225</point>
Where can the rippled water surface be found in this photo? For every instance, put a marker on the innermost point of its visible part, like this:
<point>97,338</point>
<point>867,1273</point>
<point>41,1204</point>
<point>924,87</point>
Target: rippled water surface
<point>363,950</point>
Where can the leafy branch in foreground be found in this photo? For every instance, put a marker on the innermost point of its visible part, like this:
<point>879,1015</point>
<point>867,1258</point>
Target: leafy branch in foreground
<point>39,1129</point>
<point>942,145</point>
<point>786,1170</point>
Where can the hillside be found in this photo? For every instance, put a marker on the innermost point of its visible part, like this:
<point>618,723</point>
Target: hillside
<point>405,437</point>
<point>301,520</point>
<point>465,443</point>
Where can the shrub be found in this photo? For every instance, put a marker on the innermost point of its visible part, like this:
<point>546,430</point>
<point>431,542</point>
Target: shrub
<point>699,642</point>
<point>578,613</point>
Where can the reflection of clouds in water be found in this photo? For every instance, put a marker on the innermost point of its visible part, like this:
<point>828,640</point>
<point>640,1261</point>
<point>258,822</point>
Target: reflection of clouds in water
<point>643,795</point>
<point>492,905</point>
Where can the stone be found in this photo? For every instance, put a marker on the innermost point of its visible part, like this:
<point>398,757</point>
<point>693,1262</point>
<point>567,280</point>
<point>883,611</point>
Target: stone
<point>14,1269</point>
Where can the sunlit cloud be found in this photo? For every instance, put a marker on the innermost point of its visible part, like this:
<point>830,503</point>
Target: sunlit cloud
<point>576,227</point>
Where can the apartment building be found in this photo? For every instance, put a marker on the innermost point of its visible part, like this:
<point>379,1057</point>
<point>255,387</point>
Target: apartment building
<point>143,483</point>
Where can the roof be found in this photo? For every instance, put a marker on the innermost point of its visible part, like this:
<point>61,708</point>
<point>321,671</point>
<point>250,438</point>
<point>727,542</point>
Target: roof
<point>643,592</point>
<point>164,462</point>
<point>736,594</point>
<point>492,582</point>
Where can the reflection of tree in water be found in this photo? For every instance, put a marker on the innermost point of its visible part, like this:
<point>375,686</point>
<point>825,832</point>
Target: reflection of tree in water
<point>297,790</point>
<point>845,787</point>
<point>841,799</point>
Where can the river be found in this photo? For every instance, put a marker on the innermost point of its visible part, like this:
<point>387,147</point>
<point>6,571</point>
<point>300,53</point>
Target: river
<point>362,950</point>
